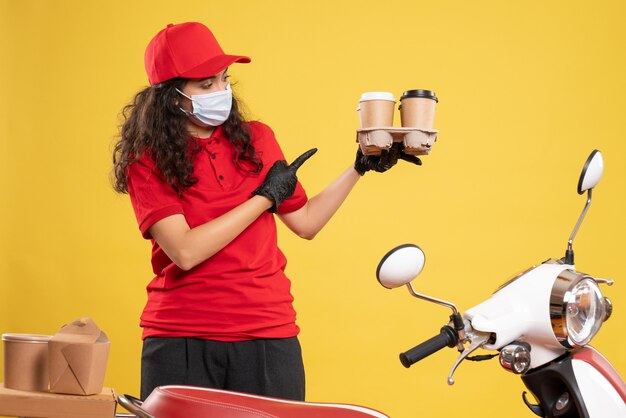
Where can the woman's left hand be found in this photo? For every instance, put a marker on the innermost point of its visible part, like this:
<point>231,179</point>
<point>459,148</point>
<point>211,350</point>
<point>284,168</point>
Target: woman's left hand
<point>384,161</point>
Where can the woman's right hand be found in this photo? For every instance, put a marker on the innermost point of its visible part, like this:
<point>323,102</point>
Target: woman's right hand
<point>281,179</point>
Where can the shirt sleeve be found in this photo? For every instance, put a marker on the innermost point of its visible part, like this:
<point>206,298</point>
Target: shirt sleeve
<point>271,152</point>
<point>295,202</point>
<point>151,196</point>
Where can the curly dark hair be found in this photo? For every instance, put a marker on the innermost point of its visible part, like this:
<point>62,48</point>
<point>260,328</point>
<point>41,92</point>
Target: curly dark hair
<point>154,124</point>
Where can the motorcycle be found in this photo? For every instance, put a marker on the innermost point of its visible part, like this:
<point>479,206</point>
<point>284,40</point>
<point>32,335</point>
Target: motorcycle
<point>540,324</point>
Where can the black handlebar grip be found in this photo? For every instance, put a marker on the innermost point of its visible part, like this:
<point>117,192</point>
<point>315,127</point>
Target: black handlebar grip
<point>446,338</point>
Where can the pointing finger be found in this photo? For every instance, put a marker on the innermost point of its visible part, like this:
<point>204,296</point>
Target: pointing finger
<point>301,159</point>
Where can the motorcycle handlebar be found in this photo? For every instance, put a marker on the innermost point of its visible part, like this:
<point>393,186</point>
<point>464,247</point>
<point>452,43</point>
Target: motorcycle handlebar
<point>446,338</point>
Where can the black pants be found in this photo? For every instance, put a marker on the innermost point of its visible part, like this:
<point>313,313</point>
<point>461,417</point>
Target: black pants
<point>263,367</point>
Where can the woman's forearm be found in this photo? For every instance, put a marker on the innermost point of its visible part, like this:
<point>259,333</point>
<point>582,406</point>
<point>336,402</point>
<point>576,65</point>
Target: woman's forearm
<point>188,247</point>
<point>309,220</point>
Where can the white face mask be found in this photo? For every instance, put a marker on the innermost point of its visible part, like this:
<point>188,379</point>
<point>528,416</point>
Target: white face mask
<point>210,109</point>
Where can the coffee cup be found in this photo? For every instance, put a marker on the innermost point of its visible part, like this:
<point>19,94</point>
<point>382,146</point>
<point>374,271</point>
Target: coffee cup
<point>417,109</point>
<point>376,109</point>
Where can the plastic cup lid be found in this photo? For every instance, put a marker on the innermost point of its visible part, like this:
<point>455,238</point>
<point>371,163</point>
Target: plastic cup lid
<point>26,338</point>
<point>377,95</point>
<point>424,94</point>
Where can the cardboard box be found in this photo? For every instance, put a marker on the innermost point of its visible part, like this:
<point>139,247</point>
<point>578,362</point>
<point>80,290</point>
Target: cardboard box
<point>18,403</point>
<point>77,358</point>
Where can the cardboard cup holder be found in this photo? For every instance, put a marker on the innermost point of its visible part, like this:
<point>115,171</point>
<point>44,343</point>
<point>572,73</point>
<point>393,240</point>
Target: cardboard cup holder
<point>415,141</point>
<point>417,112</point>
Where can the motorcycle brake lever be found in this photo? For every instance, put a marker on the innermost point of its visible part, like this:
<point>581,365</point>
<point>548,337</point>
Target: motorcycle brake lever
<point>608,282</point>
<point>477,342</point>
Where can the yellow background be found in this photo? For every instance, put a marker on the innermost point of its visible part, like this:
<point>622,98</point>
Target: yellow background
<point>527,90</point>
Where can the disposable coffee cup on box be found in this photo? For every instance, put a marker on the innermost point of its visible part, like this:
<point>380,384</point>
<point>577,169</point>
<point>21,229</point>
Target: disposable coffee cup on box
<point>376,109</point>
<point>417,109</point>
<point>26,362</point>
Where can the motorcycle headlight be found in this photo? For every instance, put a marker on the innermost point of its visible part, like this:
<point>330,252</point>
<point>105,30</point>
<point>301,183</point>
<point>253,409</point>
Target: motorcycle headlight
<point>577,309</point>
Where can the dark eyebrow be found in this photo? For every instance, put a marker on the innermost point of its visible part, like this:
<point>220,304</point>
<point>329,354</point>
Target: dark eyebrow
<point>213,77</point>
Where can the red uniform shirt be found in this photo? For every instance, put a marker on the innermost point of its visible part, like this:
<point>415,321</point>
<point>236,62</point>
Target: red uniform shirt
<point>241,292</point>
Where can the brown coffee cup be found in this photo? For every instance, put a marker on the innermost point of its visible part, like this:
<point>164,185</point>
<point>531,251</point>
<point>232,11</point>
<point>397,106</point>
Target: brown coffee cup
<point>376,109</point>
<point>417,109</point>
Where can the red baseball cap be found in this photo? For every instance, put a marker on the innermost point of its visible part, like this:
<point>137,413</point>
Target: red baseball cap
<point>187,50</point>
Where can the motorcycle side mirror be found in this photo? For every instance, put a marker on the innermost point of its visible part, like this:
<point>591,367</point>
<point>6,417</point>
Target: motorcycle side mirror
<point>591,173</point>
<point>400,265</point>
<point>589,178</point>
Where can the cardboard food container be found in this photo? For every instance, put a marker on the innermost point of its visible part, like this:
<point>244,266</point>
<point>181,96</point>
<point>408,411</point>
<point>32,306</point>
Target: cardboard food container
<point>77,358</point>
<point>26,361</point>
<point>50,405</point>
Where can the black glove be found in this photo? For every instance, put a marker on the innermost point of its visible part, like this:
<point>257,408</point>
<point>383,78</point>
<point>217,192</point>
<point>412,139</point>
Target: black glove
<point>280,182</point>
<point>384,161</point>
